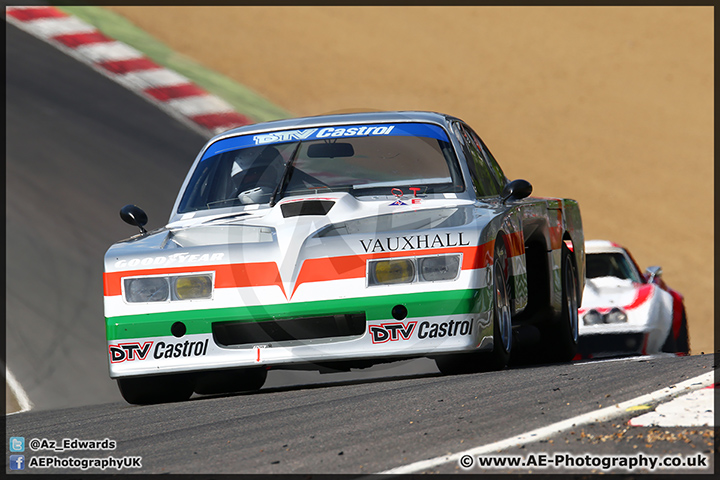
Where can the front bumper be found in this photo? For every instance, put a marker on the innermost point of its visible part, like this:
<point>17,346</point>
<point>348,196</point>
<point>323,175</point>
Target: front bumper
<point>335,330</point>
<point>613,340</point>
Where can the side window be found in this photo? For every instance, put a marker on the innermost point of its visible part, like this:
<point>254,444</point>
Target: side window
<point>494,165</point>
<point>483,178</point>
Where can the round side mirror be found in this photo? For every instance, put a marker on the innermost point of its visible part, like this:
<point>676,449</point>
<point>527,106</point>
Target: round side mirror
<point>134,215</point>
<point>517,189</point>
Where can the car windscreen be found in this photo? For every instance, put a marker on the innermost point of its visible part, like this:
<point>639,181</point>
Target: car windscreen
<point>611,265</point>
<point>360,159</point>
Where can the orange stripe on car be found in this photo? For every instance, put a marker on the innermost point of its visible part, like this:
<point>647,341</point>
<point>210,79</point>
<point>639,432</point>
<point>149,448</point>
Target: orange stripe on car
<point>226,276</point>
<point>313,270</point>
<point>341,268</point>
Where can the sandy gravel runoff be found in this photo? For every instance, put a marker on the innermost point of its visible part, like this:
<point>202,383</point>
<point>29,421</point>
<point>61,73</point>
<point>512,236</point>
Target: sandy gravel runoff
<point>612,106</point>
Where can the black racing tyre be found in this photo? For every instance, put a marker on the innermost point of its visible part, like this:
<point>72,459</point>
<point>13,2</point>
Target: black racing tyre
<point>230,381</point>
<point>502,311</point>
<point>681,344</point>
<point>155,389</point>
<point>502,325</point>
<point>669,345</point>
<point>561,337</point>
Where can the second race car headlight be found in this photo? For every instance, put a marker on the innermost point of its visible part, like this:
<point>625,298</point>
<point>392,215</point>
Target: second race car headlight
<point>442,267</point>
<point>592,317</point>
<point>387,272</point>
<point>168,288</point>
<point>432,268</point>
<point>616,316</point>
<point>148,289</point>
<point>193,286</point>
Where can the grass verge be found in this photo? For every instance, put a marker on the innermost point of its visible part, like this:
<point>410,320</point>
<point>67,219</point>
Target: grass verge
<point>244,100</point>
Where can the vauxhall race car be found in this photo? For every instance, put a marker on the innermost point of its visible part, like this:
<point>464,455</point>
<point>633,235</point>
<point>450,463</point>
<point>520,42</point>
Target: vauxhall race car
<point>625,312</point>
<point>337,242</point>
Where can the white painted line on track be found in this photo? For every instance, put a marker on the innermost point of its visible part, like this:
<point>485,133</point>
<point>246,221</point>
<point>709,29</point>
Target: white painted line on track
<point>559,427</point>
<point>634,358</point>
<point>17,390</point>
<point>694,409</point>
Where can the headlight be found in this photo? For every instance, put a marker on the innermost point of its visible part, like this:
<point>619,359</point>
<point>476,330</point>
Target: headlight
<point>442,267</point>
<point>592,318</point>
<point>387,272</point>
<point>616,316</point>
<point>149,289</point>
<point>193,286</point>
<point>432,268</point>
<point>168,288</point>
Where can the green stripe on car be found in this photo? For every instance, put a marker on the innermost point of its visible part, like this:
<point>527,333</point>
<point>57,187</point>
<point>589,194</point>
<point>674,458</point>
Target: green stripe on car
<point>426,304</point>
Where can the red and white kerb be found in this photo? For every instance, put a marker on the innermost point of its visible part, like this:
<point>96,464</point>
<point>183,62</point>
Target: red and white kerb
<point>171,91</point>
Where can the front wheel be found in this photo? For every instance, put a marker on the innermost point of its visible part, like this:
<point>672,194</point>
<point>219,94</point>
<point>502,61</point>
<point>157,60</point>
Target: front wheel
<point>502,325</point>
<point>502,312</point>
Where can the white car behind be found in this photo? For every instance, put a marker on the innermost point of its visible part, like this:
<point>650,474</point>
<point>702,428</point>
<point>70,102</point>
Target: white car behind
<point>624,312</point>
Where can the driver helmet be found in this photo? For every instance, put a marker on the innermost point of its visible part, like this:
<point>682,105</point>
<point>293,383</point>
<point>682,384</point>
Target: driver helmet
<point>248,158</point>
<point>256,175</point>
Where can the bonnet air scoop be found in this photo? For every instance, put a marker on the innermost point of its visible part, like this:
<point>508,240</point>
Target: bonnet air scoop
<point>306,207</point>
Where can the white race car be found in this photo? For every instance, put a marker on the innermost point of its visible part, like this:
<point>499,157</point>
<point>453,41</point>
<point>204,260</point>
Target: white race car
<point>338,242</point>
<point>624,312</point>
